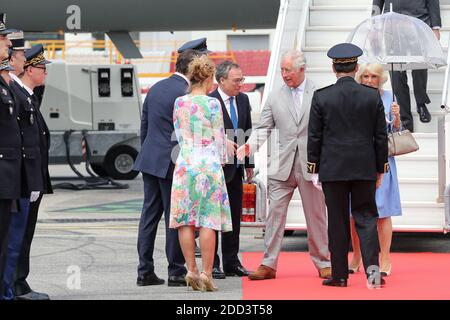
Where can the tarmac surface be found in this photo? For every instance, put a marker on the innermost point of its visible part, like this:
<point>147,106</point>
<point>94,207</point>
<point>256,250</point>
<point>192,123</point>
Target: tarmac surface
<point>85,247</point>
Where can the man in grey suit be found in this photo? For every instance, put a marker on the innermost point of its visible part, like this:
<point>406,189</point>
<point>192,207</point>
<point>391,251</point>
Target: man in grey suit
<point>429,12</point>
<point>287,111</point>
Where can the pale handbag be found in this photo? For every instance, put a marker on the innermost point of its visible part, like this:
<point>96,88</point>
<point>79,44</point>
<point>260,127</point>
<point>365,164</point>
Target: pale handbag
<point>401,142</point>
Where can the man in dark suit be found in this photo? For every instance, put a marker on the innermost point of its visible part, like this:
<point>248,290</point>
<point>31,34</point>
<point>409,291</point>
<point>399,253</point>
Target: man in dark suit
<point>35,179</point>
<point>429,12</point>
<point>156,162</point>
<point>10,149</point>
<point>238,124</point>
<point>347,148</point>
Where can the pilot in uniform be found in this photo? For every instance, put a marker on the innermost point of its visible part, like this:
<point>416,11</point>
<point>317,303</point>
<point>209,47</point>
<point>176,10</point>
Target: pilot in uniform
<point>10,148</point>
<point>347,148</point>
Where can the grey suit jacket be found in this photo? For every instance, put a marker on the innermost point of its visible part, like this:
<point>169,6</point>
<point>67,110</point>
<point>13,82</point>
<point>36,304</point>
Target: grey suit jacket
<point>292,133</point>
<point>426,10</point>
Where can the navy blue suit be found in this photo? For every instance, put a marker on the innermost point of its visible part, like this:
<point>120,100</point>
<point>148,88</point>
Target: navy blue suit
<point>233,176</point>
<point>155,162</point>
<point>10,166</point>
<point>35,177</point>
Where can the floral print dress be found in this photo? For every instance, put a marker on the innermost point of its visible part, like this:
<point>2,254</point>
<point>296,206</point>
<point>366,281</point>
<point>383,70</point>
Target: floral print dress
<point>199,193</point>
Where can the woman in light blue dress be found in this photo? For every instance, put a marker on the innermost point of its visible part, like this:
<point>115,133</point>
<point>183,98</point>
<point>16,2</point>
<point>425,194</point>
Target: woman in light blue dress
<point>387,195</point>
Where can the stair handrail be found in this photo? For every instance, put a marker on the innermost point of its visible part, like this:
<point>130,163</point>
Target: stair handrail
<point>276,47</point>
<point>443,150</point>
<point>303,23</point>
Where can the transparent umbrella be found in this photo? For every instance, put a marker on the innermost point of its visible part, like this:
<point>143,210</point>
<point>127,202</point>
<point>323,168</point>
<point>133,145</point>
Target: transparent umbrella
<point>398,42</point>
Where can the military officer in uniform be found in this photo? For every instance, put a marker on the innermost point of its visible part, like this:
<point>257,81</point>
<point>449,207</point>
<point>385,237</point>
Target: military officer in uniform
<point>347,148</point>
<point>35,180</point>
<point>10,148</point>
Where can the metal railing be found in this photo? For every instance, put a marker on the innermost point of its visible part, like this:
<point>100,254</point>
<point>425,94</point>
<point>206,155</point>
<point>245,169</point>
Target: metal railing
<point>83,51</point>
<point>443,149</point>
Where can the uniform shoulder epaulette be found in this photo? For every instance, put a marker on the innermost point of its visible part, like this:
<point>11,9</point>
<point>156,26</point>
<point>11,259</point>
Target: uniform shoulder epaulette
<point>325,87</point>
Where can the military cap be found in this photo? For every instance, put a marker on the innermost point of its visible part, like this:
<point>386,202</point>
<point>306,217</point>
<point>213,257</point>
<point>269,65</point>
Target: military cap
<point>3,29</point>
<point>4,65</point>
<point>344,53</point>
<point>17,40</point>
<point>197,45</point>
<point>35,56</point>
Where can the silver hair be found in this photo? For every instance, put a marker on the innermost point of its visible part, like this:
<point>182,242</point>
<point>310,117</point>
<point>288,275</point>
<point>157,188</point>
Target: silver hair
<point>298,58</point>
<point>224,68</point>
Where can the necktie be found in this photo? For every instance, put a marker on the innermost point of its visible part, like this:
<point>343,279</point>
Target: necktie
<point>234,120</point>
<point>297,102</point>
<point>233,114</point>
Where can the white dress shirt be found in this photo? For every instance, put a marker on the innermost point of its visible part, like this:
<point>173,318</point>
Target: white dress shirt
<point>16,79</point>
<point>28,89</point>
<point>184,77</point>
<point>226,100</point>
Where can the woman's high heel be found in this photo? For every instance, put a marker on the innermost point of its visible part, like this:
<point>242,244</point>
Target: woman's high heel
<point>353,269</point>
<point>207,283</point>
<point>386,273</point>
<point>193,280</point>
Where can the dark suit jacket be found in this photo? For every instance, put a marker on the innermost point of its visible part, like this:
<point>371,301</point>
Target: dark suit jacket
<point>32,163</point>
<point>157,131</point>
<point>426,10</point>
<point>244,123</point>
<point>347,137</point>
<point>10,145</point>
<point>44,143</point>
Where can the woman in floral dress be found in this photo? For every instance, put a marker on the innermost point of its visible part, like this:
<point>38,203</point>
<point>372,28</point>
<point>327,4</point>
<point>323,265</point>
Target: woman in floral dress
<point>199,196</point>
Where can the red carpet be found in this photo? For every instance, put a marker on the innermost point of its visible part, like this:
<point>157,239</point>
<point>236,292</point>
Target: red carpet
<point>414,276</point>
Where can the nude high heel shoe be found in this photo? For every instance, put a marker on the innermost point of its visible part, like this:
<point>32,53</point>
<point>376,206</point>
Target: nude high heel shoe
<point>386,273</point>
<point>207,283</point>
<point>354,269</point>
<point>193,280</point>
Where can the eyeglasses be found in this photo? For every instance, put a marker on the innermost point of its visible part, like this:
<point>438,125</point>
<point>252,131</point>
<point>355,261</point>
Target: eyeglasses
<point>43,68</point>
<point>238,81</point>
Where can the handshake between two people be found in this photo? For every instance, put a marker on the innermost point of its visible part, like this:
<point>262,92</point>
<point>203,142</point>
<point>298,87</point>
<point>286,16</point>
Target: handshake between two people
<point>240,152</point>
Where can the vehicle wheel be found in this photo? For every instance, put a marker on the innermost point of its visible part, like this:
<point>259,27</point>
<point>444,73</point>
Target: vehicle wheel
<point>119,163</point>
<point>288,233</point>
<point>99,169</point>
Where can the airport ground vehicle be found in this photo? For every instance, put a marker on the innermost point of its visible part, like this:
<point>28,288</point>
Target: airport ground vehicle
<point>100,102</point>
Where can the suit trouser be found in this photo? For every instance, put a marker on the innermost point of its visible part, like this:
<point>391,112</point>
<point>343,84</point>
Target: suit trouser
<point>17,231</point>
<point>360,195</point>
<point>230,240</point>
<point>157,193</point>
<point>280,194</point>
<point>402,92</point>
<point>21,286</point>
<point>5,218</point>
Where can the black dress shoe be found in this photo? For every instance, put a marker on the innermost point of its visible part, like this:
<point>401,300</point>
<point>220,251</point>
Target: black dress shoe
<point>335,282</point>
<point>198,252</point>
<point>176,281</point>
<point>149,280</point>
<point>238,271</point>
<point>424,114</point>
<point>218,274</point>
<point>33,295</point>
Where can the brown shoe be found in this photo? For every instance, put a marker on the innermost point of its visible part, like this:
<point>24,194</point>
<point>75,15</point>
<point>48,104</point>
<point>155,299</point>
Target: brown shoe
<point>325,273</point>
<point>263,273</point>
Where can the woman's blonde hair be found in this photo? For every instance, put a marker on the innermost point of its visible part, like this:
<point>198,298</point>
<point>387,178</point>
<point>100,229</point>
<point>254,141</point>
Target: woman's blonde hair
<point>374,68</point>
<point>200,69</point>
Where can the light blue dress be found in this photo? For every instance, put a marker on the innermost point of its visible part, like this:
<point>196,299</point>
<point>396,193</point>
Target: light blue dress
<point>387,195</point>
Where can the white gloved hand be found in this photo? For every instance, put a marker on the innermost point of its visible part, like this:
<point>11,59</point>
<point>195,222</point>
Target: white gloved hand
<point>316,182</point>
<point>34,196</point>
